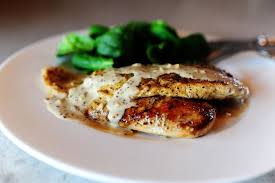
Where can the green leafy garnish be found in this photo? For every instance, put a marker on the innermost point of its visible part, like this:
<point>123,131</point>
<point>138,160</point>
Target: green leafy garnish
<point>137,41</point>
<point>162,31</point>
<point>193,47</point>
<point>91,63</point>
<point>75,43</point>
<point>97,30</point>
<point>111,43</point>
<point>160,53</point>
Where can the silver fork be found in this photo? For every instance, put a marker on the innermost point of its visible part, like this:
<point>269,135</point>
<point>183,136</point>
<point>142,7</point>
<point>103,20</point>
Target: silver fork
<point>264,44</point>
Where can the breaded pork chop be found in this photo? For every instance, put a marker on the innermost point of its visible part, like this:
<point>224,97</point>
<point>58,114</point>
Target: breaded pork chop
<point>171,117</point>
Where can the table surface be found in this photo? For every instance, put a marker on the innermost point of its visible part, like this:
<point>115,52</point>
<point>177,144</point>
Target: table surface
<point>23,22</point>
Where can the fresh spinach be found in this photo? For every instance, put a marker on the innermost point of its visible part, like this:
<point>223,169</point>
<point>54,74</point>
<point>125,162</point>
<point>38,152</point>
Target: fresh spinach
<point>137,41</point>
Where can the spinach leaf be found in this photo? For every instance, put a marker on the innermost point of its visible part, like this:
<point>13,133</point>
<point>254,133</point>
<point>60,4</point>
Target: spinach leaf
<point>97,30</point>
<point>91,63</point>
<point>74,43</point>
<point>193,47</point>
<point>163,32</point>
<point>138,37</point>
<point>111,43</point>
<point>137,41</point>
<point>164,52</point>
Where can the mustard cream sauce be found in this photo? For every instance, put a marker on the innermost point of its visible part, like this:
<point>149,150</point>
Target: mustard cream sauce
<point>82,95</point>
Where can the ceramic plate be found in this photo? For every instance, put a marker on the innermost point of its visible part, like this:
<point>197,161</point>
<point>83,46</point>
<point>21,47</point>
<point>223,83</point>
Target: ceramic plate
<point>241,150</point>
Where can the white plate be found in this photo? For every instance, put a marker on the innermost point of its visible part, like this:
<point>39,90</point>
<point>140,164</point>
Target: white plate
<point>240,151</point>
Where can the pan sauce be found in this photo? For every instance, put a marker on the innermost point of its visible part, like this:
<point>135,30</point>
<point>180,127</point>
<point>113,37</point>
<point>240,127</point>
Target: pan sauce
<point>228,112</point>
<point>78,97</point>
<point>82,95</point>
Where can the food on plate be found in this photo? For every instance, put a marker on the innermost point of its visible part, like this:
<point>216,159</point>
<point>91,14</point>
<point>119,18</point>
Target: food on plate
<point>139,76</point>
<point>169,100</point>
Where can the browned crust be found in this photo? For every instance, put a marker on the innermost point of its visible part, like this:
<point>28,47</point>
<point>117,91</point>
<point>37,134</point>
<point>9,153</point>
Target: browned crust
<point>172,117</point>
<point>60,79</point>
<point>174,85</point>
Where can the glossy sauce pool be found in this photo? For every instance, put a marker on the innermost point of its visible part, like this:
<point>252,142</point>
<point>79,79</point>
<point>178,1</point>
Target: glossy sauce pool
<point>228,113</point>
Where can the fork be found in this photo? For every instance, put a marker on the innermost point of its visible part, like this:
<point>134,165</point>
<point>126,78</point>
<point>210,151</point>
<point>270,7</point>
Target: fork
<point>264,44</point>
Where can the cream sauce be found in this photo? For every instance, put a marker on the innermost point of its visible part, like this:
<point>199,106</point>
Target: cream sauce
<point>82,95</point>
